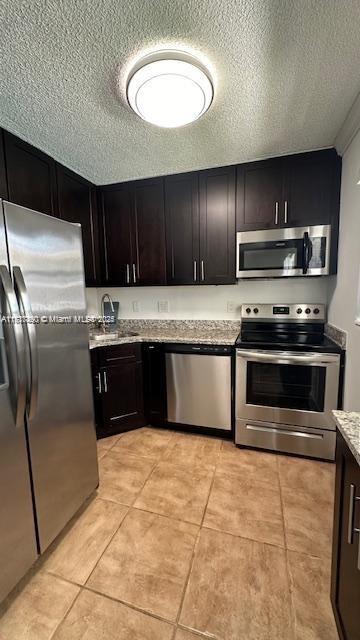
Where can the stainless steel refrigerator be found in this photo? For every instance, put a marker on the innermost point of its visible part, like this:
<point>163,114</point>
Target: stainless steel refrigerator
<point>48,462</point>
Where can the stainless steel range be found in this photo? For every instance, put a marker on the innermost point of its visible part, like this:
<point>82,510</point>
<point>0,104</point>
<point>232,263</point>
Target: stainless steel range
<point>287,380</point>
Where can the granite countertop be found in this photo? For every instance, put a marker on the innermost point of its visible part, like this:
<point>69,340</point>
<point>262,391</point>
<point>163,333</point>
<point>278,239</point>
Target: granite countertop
<point>192,332</point>
<point>348,423</point>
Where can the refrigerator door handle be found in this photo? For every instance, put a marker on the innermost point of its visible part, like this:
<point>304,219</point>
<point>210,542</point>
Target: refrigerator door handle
<point>18,333</point>
<point>25,307</point>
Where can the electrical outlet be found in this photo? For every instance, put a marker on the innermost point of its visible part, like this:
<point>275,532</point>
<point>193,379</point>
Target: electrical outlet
<point>231,306</point>
<point>136,306</point>
<point>163,306</point>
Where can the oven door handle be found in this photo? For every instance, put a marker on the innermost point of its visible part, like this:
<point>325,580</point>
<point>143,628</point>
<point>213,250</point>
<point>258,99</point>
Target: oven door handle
<point>287,357</point>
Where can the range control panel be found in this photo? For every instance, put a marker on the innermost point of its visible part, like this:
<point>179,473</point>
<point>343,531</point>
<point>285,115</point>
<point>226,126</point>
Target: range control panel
<point>284,312</point>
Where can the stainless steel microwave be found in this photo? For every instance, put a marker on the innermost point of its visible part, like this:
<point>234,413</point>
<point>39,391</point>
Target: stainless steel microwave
<point>298,251</point>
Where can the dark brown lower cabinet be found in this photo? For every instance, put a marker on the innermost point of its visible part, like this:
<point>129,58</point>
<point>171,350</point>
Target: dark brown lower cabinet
<point>345,575</point>
<point>118,389</point>
<point>154,384</point>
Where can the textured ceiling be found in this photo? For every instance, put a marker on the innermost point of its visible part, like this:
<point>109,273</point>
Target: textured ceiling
<point>286,74</point>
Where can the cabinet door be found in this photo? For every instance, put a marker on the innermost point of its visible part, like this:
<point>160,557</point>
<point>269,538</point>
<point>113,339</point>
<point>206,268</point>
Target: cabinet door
<point>348,548</point>
<point>122,397</point>
<point>117,212</point>
<point>30,175</point>
<point>310,193</point>
<point>182,228</point>
<point>3,181</point>
<point>259,195</point>
<point>217,226</point>
<point>154,384</point>
<point>149,232</point>
<point>77,203</point>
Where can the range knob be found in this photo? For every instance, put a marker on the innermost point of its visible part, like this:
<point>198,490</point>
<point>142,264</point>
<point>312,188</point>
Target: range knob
<point>307,311</point>
<point>316,311</point>
<point>299,310</point>
<point>256,310</point>
<point>248,310</point>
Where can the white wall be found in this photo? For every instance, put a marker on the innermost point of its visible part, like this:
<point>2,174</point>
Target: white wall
<point>343,290</point>
<point>209,302</point>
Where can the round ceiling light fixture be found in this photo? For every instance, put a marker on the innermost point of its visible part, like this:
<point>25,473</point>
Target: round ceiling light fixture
<point>169,89</point>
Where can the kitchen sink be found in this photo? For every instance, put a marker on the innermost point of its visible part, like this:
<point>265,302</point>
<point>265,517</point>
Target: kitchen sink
<point>114,335</point>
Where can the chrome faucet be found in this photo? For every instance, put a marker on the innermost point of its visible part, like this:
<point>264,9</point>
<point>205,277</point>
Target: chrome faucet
<point>107,297</point>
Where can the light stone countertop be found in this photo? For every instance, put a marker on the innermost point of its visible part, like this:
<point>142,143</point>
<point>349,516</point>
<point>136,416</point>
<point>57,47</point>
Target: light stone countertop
<point>217,332</point>
<point>191,336</point>
<point>348,423</point>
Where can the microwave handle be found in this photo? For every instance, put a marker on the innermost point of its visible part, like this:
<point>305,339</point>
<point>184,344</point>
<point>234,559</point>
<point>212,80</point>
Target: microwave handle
<point>307,252</point>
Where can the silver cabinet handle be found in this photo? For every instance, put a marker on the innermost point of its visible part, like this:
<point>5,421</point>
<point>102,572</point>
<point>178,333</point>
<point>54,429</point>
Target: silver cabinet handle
<point>25,307</point>
<point>351,514</point>
<point>202,270</point>
<point>105,383</point>
<point>99,389</point>
<point>134,273</point>
<point>352,500</point>
<point>20,399</point>
<point>276,213</point>
<point>351,529</point>
<point>286,211</point>
<point>127,274</point>
<point>195,271</point>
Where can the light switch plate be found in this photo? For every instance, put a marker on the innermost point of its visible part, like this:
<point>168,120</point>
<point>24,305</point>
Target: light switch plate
<point>163,306</point>
<point>231,306</point>
<point>136,306</point>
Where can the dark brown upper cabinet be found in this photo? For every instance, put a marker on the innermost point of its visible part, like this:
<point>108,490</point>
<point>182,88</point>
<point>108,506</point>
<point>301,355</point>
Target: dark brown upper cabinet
<point>291,191</point>
<point>76,199</point>
<point>259,195</point>
<point>30,176</point>
<point>182,228</point>
<point>148,234</point>
<point>217,226</point>
<point>117,211</point>
<point>311,188</point>
<point>200,227</point>
<point>134,233</point>
<point>3,180</point>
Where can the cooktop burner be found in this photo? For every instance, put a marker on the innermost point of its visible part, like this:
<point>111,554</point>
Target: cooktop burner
<point>295,327</point>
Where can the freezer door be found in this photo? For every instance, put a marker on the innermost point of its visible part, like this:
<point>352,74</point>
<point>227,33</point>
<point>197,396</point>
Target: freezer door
<point>18,550</point>
<point>45,256</point>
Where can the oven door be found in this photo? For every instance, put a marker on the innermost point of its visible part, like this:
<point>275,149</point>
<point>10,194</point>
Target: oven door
<point>287,387</point>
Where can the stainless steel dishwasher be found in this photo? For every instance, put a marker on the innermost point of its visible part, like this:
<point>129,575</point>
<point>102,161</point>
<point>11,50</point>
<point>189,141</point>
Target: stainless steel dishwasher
<point>198,383</point>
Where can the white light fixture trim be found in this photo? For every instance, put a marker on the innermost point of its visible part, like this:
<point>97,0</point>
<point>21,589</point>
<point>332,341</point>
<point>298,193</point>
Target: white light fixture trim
<point>170,89</point>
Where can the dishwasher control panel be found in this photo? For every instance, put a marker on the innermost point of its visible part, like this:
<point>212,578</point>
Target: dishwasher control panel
<point>203,349</point>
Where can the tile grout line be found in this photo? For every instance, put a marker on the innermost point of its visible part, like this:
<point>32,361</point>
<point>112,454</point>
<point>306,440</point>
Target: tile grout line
<point>129,507</point>
<point>111,539</point>
<point>292,605</point>
<point>187,579</point>
<point>237,536</point>
<point>66,613</point>
<point>129,605</point>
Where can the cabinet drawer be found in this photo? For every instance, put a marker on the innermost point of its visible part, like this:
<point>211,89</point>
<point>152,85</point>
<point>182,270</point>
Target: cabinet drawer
<point>120,353</point>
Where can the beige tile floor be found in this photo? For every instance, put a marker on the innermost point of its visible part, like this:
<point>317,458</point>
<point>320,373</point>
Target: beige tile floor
<point>188,537</point>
